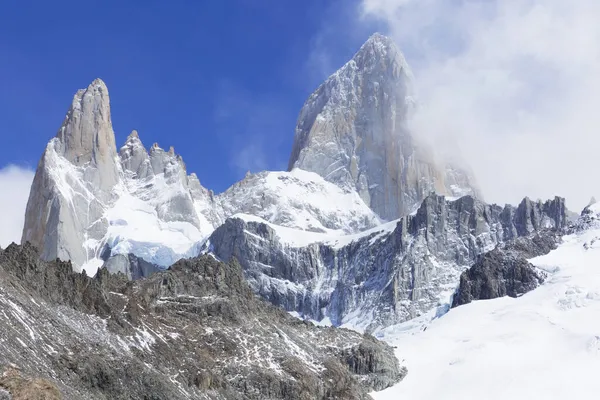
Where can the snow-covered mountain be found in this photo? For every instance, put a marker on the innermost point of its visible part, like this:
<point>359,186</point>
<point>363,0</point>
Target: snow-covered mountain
<point>93,205</point>
<point>354,131</point>
<point>368,229</point>
<point>317,239</point>
<point>544,344</point>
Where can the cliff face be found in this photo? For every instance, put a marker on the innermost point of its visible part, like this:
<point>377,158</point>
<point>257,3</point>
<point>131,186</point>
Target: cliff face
<point>386,275</point>
<point>354,131</point>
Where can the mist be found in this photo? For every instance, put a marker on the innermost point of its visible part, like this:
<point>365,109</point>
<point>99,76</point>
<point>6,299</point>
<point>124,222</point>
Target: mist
<point>513,86</point>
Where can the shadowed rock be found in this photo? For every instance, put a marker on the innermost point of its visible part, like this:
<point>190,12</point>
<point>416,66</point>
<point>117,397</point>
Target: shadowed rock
<point>505,270</point>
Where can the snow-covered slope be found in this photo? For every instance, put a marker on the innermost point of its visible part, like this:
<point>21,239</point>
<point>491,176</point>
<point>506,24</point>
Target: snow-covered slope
<point>301,200</point>
<point>542,345</point>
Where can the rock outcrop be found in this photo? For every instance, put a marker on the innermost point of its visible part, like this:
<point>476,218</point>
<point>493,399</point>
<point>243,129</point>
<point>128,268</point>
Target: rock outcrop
<point>195,331</point>
<point>354,131</point>
<point>383,276</point>
<point>505,270</point>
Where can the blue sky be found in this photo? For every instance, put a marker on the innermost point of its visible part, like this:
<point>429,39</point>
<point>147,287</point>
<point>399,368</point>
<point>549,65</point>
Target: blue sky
<point>221,81</point>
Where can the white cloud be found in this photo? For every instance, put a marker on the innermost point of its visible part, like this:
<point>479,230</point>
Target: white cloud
<point>15,183</point>
<point>514,82</point>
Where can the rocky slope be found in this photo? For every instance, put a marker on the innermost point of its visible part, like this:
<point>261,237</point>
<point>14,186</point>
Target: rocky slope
<point>195,331</point>
<point>383,276</point>
<point>15,386</point>
<point>354,131</point>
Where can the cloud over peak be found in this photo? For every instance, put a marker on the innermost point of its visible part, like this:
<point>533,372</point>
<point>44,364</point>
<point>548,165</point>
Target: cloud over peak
<point>513,83</point>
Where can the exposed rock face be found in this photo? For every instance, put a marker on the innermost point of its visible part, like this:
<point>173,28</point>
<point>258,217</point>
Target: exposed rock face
<point>195,331</point>
<point>129,265</point>
<point>74,180</point>
<point>505,270</point>
<point>353,130</point>
<point>86,137</point>
<point>386,275</point>
<point>134,157</point>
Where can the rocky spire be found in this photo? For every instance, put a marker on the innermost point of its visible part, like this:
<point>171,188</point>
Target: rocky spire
<point>353,130</point>
<point>74,179</point>
<point>86,137</point>
<point>134,157</point>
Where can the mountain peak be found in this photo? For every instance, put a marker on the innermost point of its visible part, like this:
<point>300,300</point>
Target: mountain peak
<point>86,135</point>
<point>82,159</point>
<point>381,54</point>
<point>354,132</point>
<point>133,135</point>
<point>378,39</point>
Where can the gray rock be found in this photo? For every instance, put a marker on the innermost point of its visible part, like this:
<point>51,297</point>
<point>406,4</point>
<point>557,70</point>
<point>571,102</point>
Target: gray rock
<point>74,180</point>
<point>135,159</point>
<point>504,271</point>
<point>382,277</point>
<point>195,331</point>
<point>131,266</point>
<point>353,130</point>
<point>86,137</point>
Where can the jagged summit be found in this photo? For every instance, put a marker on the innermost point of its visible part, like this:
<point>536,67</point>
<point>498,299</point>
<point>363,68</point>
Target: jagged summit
<point>133,135</point>
<point>379,47</point>
<point>95,206</point>
<point>86,135</point>
<point>354,131</point>
<point>74,179</point>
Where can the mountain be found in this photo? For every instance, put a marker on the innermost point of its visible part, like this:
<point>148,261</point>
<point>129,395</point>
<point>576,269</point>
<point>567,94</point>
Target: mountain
<point>310,240</point>
<point>95,206</point>
<point>383,276</point>
<point>158,294</point>
<point>195,331</point>
<point>354,131</point>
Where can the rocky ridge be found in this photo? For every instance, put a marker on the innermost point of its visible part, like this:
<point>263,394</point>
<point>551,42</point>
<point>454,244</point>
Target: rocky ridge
<point>195,331</point>
<point>310,239</point>
<point>386,275</point>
